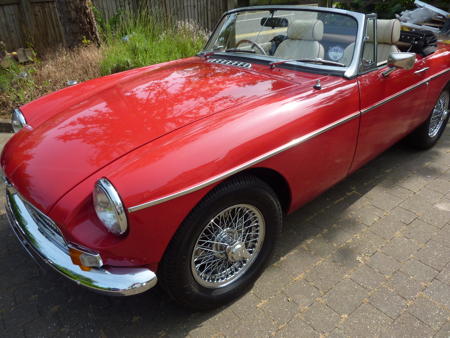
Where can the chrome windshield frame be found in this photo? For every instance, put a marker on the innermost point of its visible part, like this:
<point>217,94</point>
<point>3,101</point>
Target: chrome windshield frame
<point>349,72</point>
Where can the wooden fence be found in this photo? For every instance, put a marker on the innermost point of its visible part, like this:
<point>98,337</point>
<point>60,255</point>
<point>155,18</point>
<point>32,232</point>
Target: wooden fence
<point>21,22</point>
<point>204,12</point>
<point>35,22</point>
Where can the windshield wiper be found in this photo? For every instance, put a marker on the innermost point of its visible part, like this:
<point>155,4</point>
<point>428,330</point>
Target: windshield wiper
<point>209,53</point>
<point>322,61</point>
<point>316,60</point>
<point>206,54</point>
<point>238,50</point>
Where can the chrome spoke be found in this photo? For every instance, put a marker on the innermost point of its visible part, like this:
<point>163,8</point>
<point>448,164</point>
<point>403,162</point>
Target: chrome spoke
<point>439,115</point>
<point>208,260</point>
<point>228,245</point>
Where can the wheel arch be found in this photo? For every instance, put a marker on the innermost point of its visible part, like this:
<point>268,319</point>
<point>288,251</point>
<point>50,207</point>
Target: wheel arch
<point>276,181</point>
<point>271,177</point>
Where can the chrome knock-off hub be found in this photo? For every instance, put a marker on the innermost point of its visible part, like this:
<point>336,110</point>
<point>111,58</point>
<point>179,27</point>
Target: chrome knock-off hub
<point>228,245</point>
<point>237,252</point>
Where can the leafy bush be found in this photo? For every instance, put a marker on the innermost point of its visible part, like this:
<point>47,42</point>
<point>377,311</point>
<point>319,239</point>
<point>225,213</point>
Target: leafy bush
<point>136,41</point>
<point>386,9</point>
<point>16,81</point>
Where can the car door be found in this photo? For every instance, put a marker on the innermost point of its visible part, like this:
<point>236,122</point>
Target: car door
<point>391,107</point>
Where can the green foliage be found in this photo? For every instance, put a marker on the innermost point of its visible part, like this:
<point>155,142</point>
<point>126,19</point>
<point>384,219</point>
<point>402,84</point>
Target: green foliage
<point>106,27</point>
<point>85,41</point>
<point>386,9</point>
<point>136,41</point>
<point>6,77</point>
<point>16,83</point>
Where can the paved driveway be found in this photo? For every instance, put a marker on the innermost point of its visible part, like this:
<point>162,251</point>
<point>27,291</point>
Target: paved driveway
<point>371,257</point>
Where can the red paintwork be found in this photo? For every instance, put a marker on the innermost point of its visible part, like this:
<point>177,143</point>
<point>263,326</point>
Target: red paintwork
<point>156,130</point>
<point>387,124</point>
<point>114,117</point>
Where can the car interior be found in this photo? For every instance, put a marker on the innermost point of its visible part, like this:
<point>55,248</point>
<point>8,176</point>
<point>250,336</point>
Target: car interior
<point>294,35</point>
<point>303,41</point>
<point>302,35</point>
<point>388,35</point>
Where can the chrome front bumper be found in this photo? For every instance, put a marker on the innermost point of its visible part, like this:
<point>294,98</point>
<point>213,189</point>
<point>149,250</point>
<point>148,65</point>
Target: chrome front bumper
<point>112,280</point>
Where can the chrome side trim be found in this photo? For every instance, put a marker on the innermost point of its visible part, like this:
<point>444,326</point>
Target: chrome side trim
<point>405,91</point>
<point>245,165</point>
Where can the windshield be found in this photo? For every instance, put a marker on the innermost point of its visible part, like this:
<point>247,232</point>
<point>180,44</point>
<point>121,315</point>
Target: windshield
<point>301,35</point>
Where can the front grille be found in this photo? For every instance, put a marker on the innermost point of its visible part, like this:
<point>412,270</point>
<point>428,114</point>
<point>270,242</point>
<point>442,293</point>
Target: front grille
<point>45,225</point>
<point>230,62</point>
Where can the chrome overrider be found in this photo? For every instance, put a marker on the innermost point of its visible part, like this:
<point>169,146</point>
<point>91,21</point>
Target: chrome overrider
<point>118,281</point>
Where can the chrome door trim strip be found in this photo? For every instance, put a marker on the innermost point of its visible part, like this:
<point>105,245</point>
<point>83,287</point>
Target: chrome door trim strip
<point>407,90</point>
<point>245,165</point>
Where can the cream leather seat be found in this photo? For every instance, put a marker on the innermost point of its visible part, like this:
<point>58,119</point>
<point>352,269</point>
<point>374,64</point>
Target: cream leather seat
<point>302,41</point>
<point>388,34</point>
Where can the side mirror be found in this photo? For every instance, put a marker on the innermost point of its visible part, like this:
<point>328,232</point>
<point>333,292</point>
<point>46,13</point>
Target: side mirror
<point>400,60</point>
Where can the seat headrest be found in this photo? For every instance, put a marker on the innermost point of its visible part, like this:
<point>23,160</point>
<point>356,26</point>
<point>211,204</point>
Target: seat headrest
<point>305,30</point>
<point>388,31</point>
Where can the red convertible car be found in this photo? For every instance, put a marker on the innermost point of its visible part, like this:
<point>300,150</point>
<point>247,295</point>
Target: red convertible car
<point>182,172</point>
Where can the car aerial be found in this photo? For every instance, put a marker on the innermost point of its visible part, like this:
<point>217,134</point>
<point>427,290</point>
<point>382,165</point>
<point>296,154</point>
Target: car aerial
<point>182,172</point>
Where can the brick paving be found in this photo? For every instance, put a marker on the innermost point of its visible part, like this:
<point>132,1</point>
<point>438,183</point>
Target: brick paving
<point>370,257</point>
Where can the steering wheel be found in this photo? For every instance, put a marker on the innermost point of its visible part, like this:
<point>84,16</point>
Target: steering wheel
<point>253,44</point>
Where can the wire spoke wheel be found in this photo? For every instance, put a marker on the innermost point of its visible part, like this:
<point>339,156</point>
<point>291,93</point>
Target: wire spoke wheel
<point>223,245</point>
<point>228,245</point>
<point>439,115</point>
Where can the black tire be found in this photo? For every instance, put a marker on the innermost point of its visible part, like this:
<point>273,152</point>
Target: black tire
<point>421,137</point>
<point>176,272</point>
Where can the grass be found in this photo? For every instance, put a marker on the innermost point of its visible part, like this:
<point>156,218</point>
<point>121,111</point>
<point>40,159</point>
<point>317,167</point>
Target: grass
<point>140,41</point>
<point>128,42</point>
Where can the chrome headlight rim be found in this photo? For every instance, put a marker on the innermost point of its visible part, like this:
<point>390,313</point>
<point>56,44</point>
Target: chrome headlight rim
<point>111,193</point>
<point>18,120</point>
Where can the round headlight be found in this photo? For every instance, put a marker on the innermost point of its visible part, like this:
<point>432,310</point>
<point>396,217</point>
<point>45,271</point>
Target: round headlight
<point>18,120</point>
<point>109,207</point>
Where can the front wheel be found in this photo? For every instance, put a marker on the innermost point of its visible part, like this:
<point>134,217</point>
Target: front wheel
<point>427,134</point>
<point>223,245</point>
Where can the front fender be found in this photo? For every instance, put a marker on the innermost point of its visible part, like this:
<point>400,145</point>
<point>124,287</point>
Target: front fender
<point>150,230</point>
